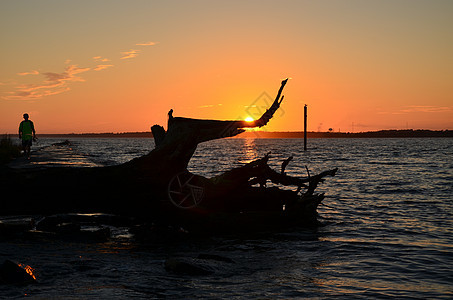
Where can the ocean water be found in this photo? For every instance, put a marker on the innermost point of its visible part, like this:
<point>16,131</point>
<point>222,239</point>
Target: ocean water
<point>387,231</point>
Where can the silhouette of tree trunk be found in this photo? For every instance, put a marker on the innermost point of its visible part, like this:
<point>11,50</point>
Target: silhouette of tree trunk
<point>145,185</point>
<point>174,148</point>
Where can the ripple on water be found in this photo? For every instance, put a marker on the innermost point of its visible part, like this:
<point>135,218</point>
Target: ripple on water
<point>388,230</point>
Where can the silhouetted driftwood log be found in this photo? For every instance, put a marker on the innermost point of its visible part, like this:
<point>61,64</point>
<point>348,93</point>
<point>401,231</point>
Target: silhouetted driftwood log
<point>158,186</point>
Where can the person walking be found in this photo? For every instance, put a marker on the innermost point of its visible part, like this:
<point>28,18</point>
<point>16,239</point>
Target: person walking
<point>27,134</point>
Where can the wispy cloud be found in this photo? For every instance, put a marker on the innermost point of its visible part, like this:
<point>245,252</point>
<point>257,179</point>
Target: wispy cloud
<point>102,67</point>
<point>43,85</point>
<point>100,58</point>
<point>146,44</point>
<point>54,83</point>
<point>9,82</point>
<point>67,75</point>
<point>34,72</point>
<point>426,109</point>
<point>130,54</point>
<point>418,109</point>
<point>31,95</point>
<point>209,106</point>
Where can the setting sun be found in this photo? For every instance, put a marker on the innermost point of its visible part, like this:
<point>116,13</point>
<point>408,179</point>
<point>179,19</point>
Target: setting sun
<point>229,126</point>
<point>138,71</point>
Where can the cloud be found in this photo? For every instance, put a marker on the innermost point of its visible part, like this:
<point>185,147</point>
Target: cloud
<point>146,44</point>
<point>100,58</point>
<point>129,54</point>
<point>31,95</point>
<point>34,87</point>
<point>54,83</point>
<point>102,67</point>
<point>209,106</point>
<point>34,72</point>
<point>426,109</point>
<point>67,75</point>
<point>8,82</point>
<point>418,109</point>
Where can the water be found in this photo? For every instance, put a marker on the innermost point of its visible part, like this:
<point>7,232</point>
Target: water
<point>388,230</point>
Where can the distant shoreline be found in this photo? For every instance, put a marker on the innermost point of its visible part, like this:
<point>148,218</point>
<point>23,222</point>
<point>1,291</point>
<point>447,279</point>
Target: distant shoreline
<point>282,134</point>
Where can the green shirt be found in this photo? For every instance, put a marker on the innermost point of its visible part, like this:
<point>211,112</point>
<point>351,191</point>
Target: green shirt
<point>26,128</point>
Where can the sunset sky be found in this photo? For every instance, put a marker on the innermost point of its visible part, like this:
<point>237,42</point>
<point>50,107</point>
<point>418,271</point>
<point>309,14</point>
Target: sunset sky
<point>120,66</point>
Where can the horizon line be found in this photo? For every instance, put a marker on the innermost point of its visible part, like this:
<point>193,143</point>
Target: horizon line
<point>250,132</point>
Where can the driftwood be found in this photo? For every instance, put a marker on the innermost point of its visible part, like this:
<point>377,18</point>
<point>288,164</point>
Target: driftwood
<point>158,186</point>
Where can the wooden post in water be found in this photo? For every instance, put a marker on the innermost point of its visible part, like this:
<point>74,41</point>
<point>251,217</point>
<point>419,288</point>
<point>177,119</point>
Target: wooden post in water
<point>305,127</point>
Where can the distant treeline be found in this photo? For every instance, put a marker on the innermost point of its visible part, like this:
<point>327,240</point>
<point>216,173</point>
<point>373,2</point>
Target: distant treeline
<point>282,134</point>
<point>368,134</point>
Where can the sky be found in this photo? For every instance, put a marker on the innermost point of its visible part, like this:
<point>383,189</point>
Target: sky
<point>120,66</point>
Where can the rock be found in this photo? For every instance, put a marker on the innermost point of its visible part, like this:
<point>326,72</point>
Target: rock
<point>67,228</point>
<point>13,226</point>
<point>36,235</point>
<point>50,223</point>
<point>16,273</point>
<point>86,235</point>
<point>73,227</point>
<point>95,235</point>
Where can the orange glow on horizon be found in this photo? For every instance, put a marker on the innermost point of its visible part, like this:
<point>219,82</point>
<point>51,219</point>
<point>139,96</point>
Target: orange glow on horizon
<point>202,65</point>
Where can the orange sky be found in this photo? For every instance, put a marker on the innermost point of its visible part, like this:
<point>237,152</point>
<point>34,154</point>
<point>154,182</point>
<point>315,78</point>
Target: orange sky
<point>118,66</point>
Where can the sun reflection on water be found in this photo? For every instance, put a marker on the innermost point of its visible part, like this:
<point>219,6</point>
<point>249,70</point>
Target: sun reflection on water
<point>249,151</point>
